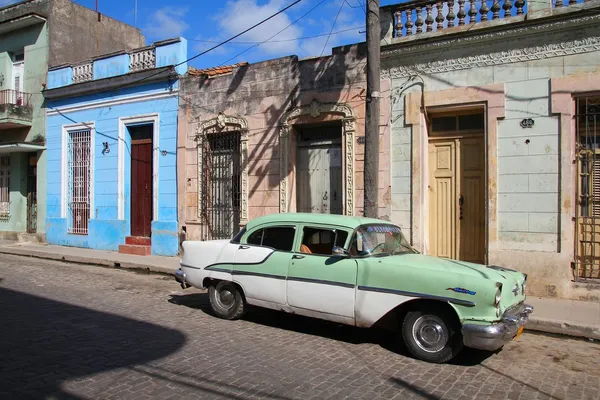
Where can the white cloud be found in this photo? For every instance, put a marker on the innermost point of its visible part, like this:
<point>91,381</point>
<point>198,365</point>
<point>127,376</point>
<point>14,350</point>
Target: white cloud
<point>248,13</point>
<point>167,23</point>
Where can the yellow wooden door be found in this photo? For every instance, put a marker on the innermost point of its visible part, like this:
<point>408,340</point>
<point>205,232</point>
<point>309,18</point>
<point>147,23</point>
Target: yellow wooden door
<point>442,198</point>
<point>457,198</point>
<point>471,205</point>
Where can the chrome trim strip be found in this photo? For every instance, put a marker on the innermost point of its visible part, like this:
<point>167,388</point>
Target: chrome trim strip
<point>248,273</point>
<point>420,295</point>
<point>322,282</point>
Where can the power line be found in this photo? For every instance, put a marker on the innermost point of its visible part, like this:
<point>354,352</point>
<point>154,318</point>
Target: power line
<point>332,26</point>
<point>264,41</point>
<point>201,53</point>
<point>284,40</point>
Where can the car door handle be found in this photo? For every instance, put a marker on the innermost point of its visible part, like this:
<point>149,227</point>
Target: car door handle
<point>243,247</point>
<point>297,257</point>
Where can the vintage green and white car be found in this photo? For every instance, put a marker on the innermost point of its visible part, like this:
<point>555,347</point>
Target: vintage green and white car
<point>361,272</point>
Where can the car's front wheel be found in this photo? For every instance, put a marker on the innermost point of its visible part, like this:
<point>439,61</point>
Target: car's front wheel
<point>430,335</point>
<point>226,300</point>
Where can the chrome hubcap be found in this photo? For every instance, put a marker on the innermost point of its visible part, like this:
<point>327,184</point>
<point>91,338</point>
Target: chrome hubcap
<point>225,298</point>
<point>429,333</point>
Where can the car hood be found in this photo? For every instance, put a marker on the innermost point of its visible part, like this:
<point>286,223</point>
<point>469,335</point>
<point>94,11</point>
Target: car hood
<point>497,274</point>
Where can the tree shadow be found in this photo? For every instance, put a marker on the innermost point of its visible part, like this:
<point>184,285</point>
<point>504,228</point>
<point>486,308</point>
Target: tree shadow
<point>46,343</point>
<point>384,338</point>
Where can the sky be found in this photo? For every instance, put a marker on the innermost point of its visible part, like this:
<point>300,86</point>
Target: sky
<point>204,23</point>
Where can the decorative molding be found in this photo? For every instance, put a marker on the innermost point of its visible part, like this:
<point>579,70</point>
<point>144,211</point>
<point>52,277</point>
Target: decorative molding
<point>225,123</point>
<point>567,47</point>
<point>498,58</point>
<point>315,109</point>
<point>115,102</point>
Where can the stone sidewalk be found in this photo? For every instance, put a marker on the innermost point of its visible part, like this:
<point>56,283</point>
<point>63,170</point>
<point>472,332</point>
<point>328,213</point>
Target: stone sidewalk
<point>164,265</point>
<point>567,317</point>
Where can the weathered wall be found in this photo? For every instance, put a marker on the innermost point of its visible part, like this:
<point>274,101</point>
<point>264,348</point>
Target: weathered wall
<point>533,229</point>
<point>262,93</point>
<point>106,229</point>
<point>23,8</point>
<point>77,35</point>
<point>34,41</point>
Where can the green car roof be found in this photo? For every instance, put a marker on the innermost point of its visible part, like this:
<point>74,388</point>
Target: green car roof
<point>330,219</point>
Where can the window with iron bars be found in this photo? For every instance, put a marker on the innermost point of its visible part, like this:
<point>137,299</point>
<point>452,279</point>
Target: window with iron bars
<point>587,242</point>
<point>78,196</point>
<point>221,183</point>
<point>4,186</point>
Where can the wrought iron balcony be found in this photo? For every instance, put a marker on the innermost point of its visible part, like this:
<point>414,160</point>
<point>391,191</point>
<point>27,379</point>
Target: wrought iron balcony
<point>16,109</point>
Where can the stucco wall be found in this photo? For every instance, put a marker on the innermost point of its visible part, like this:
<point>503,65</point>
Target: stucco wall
<point>533,228</point>
<point>262,93</point>
<point>106,230</point>
<point>77,35</point>
<point>34,41</point>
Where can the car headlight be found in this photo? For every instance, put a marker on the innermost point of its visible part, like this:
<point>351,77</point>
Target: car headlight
<point>498,296</point>
<point>524,284</point>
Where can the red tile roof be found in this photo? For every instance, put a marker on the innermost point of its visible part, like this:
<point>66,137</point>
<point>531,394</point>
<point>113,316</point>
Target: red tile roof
<point>214,71</point>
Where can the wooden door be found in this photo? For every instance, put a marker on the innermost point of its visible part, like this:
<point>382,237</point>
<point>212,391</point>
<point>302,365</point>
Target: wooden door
<point>319,179</point>
<point>141,187</point>
<point>472,213</point>
<point>457,198</point>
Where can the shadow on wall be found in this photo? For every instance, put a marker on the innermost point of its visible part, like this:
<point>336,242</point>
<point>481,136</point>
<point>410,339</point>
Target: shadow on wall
<point>46,342</point>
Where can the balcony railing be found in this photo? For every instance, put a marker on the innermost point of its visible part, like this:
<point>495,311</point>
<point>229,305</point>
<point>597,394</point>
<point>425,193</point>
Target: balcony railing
<point>16,98</point>
<point>143,59</point>
<point>83,72</point>
<point>431,15</point>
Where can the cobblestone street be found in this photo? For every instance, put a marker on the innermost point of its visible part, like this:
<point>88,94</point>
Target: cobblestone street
<point>79,332</point>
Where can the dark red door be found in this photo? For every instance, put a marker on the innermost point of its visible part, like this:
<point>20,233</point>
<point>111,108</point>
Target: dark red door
<point>141,187</point>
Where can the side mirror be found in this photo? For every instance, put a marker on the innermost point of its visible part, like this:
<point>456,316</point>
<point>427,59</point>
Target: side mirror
<point>338,251</point>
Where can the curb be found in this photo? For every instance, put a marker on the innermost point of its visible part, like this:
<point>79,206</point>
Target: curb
<point>567,328</point>
<point>89,261</point>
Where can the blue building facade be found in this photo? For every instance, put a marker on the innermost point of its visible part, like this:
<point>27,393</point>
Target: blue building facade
<point>112,146</point>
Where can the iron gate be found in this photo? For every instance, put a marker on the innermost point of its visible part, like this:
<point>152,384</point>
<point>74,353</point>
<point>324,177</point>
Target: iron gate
<point>78,168</point>
<point>587,152</point>
<point>4,187</point>
<point>32,195</point>
<point>221,175</point>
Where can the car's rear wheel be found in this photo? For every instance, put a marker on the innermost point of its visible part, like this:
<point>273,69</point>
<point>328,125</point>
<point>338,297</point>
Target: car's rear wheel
<point>430,335</point>
<point>226,300</point>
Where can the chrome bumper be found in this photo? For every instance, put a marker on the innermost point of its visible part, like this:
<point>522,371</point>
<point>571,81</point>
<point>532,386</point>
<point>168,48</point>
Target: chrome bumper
<point>494,336</point>
<point>180,277</point>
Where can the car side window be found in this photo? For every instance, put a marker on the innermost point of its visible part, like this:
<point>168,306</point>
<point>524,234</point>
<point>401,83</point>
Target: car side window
<point>236,239</point>
<point>322,241</point>
<point>255,237</point>
<point>279,237</point>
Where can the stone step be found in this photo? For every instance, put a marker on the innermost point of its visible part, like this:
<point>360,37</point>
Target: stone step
<point>138,240</point>
<point>136,250</point>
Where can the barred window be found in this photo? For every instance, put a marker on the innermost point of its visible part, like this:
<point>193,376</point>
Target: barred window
<point>78,197</point>
<point>4,186</point>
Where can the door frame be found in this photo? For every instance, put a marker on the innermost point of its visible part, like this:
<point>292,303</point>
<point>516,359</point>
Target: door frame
<point>316,112</point>
<point>430,136</point>
<point>124,122</point>
<point>457,137</point>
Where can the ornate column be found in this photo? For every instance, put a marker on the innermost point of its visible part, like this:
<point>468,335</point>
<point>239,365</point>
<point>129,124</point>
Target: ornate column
<point>284,132</point>
<point>349,137</point>
<point>244,178</point>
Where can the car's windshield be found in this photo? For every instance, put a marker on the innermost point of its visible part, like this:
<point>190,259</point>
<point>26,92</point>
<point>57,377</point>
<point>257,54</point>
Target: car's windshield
<point>379,239</point>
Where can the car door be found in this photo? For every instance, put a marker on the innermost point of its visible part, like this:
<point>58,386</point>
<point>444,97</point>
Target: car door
<point>318,281</point>
<point>261,263</point>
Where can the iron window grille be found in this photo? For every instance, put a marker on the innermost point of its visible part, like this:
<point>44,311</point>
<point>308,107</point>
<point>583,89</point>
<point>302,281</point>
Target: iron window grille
<point>4,187</point>
<point>78,196</point>
<point>221,184</point>
<point>587,153</point>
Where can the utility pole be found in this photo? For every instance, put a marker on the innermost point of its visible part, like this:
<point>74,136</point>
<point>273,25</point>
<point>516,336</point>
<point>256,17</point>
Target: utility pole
<point>371,170</point>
